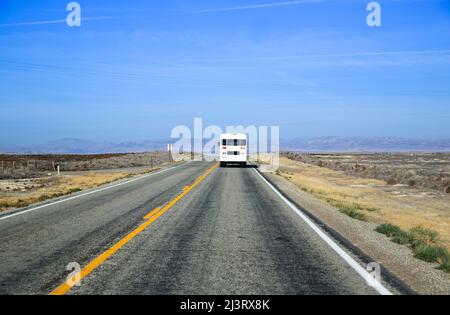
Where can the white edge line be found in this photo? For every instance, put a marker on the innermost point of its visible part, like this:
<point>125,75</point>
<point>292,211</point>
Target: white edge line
<point>360,270</point>
<point>86,194</point>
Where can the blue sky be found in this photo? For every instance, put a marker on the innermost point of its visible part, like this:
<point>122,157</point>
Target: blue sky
<point>135,69</point>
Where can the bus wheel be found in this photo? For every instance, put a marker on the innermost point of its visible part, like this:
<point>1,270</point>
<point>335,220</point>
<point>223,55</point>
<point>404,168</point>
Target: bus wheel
<point>222,164</point>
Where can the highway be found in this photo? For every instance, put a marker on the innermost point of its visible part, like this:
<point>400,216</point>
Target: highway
<point>194,229</point>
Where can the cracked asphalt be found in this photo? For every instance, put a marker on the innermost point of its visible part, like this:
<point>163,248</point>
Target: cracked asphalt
<point>231,234</point>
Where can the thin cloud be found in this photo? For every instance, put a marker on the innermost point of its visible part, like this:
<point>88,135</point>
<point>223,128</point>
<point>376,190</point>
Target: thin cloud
<point>357,54</point>
<point>54,21</point>
<point>251,7</point>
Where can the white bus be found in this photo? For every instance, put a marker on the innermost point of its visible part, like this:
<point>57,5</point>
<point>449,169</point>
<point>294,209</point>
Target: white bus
<point>233,149</point>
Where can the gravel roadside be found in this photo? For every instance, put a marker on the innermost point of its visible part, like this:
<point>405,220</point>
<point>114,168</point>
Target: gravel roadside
<point>421,277</point>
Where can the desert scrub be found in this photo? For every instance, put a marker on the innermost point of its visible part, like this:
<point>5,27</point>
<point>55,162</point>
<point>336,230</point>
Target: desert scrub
<point>151,170</point>
<point>350,205</point>
<point>430,253</point>
<point>58,187</point>
<point>394,233</point>
<point>422,241</point>
<point>420,235</point>
<point>389,230</point>
<point>17,202</point>
<point>445,266</point>
<point>394,206</point>
<point>353,214</point>
<point>43,197</point>
<point>5,204</point>
<point>352,209</point>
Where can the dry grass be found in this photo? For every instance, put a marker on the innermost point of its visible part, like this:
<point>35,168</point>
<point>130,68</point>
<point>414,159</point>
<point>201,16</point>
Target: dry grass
<point>420,170</point>
<point>61,186</point>
<point>35,166</point>
<point>373,200</point>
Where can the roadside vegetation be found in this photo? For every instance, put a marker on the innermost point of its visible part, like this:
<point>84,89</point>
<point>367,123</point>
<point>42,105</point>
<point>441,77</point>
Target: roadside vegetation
<point>36,166</point>
<point>56,187</point>
<point>407,215</point>
<point>374,200</point>
<point>424,243</point>
<point>420,170</point>
<point>341,200</point>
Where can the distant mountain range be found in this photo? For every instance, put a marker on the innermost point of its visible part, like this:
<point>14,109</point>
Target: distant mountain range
<point>360,144</point>
<point>78,146</point>
<point>323,144</point>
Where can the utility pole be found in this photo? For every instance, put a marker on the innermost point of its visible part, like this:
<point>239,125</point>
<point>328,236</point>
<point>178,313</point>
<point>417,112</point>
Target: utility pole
<point>169,149</point>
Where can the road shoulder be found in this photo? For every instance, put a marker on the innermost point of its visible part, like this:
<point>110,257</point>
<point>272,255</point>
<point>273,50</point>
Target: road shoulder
<point>129,178</point>
<point>416,275</point>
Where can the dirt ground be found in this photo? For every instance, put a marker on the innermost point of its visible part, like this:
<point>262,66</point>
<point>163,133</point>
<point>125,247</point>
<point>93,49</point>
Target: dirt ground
<point>30,179</point>
<point>22,193</point>
<point>420,170</point>
<point>375,200</point>
<point>35,166</point>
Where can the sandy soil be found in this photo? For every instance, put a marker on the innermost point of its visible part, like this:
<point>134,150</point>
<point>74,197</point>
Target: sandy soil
<point>420,276</point>
<point>35,166</point>
<point>378,201</point>
<point>419,170</point>
<point>24,192</point>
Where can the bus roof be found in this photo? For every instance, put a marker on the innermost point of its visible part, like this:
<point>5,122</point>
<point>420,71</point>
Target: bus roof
<point>237,136</point>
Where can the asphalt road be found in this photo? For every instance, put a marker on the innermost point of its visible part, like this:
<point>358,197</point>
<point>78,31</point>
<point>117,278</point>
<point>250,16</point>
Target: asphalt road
<point>230,234</point>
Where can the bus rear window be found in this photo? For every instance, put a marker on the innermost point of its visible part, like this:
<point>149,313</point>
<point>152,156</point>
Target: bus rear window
<point>234,142</point>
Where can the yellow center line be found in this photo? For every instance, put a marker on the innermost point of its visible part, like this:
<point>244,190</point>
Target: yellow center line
<point>186,188</point>
<point>151,217</point>
<point>151,214</point>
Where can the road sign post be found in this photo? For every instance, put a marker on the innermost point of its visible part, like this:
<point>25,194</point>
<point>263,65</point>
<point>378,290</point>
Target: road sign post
<point>169,149</point>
